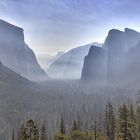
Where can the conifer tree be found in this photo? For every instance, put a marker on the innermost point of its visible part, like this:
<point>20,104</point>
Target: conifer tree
<point>13,137</point>
<point>62,132</point>
<point>138,121</point>
<point>126,124</point>
<point>110,122</point>
<point>43,133</point>
<point>29,131</point>
<point>75,126</point>
<point>62,127</point>
<point>22,133</point>
<point>79,122</point>
<point>133,127</point>
<point>77,134</point>
<point>95,130</point>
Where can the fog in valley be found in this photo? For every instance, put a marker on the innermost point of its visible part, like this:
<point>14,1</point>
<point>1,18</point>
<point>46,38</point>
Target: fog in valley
<point>54,86</point>
<point>102,76</point>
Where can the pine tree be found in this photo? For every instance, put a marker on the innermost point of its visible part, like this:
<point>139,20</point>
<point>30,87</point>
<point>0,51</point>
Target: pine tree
<point>62,127</point>
<point>79,122</point>
<point>138,121</point>
<point>43,133</point>
<point>133,127</point>
<point>75,126</point>
<point>95,130</point>
<point>22,133</point>
<point>110,122</point>
<point>124,123</point>
<point>77,134</point>
<point>29,131</point>
<point>127,130</point>
<point>13,137</point>
<point>62,132</point>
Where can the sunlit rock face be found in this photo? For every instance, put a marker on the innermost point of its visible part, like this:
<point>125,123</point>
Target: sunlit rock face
<point>120,61</point>
<point>69,65</point>
<point>115,46</point>
<point>95,66</point>
<point>16,55</point>
<point>131,67</point>
<point>132,38</point>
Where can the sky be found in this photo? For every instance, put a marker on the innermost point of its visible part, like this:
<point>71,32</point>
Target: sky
<point>59,25</point>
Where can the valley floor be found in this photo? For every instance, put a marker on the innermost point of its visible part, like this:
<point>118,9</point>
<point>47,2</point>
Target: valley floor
<point>56,102</point>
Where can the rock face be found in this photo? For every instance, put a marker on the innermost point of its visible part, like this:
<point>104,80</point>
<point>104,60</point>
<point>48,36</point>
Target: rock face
<point>132,38</point>
<point>10,78</point>
<point>16,55</point>
<point>115,46</point>
<point>69,65</point>
<point>121,63</point>
<point>118,43</point>
<point>95,66</point>
<point>131,67</point>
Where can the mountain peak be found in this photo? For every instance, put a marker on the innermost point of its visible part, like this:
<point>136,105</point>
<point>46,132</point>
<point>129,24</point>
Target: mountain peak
<point>128,30</point>
<point>15,54</point>
<point>94,49</point>
<point>114,31</point>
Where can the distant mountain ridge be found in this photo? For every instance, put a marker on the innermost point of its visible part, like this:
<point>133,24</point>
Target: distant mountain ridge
<point>46,60</point>
<point>69,65</point>
<point>15,53</point>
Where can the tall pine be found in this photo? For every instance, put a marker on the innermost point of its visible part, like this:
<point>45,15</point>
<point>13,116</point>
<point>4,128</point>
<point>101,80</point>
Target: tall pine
<point>110,122</point>
<point>127,129</point>
<point>29,131</point>
<point>43,133</point>
<point>138,121</point>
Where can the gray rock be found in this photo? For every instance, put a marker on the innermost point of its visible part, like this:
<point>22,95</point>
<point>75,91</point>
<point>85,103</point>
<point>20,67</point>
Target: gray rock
<point>95,66</point>
<point>16,55</point>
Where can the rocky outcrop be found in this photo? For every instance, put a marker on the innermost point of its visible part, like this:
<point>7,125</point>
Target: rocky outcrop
<point>132,38</point>
<point>115,47</point>
<point>95,66</point>
<point>16,55</point>
<point>117,62</point>
<point>131,67</point>
<point>117,44</point>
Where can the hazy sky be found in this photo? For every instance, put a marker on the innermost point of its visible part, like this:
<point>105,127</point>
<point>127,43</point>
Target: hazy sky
<point>59,25</point>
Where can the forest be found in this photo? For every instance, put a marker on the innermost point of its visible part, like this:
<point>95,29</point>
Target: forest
<point>122,125</point>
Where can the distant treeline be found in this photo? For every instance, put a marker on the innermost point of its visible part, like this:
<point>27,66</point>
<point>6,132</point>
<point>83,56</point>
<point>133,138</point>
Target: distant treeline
<point>121,125</point>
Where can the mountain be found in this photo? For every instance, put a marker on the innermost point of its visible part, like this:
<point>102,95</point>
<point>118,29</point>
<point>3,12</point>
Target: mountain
<point>17,95</point>
<point>121,65</point>
<point>15,53</point>
<point>95,66</point>
<point>46,60</point>
<point>132,38</point>
<point>69,65</point>
<point>117,44</point>
<point>10,79</point>
<point>131,66</point>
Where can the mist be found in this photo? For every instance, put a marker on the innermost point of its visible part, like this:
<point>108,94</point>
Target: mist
<point>69,70</point>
